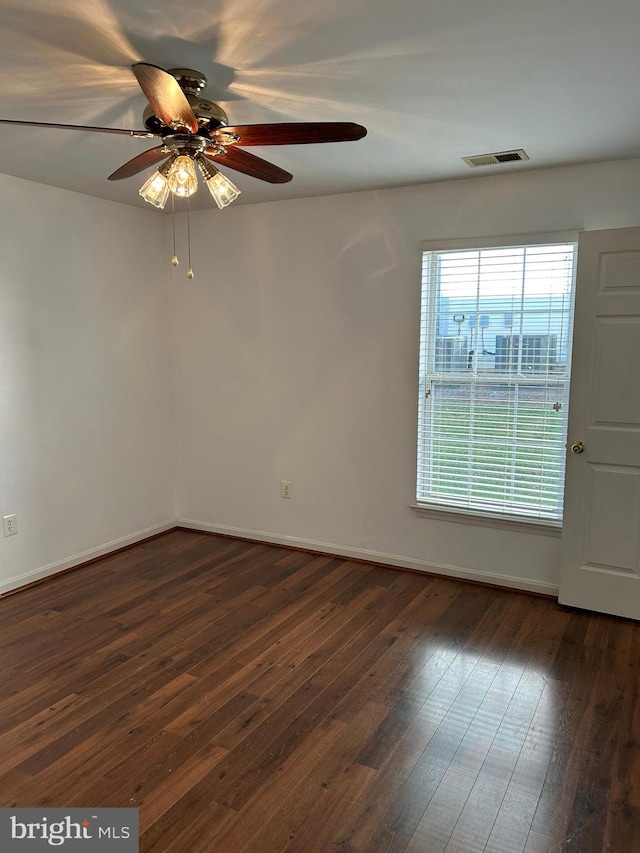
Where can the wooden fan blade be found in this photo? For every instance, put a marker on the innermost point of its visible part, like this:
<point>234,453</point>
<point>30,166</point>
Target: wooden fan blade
<point>143,134</point>
<point>165,96</point>
<point>140,163</point>
<point>292,133</point>
<point>242,161</point>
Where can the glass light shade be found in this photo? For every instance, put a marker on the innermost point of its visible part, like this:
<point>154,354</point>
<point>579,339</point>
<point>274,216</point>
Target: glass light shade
<point>182,178</point>
<point>222,189</point>
<point>155,190</point>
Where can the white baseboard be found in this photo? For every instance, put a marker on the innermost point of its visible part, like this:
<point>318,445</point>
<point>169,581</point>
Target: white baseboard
<point>508,581</point>
<point>77,559</point>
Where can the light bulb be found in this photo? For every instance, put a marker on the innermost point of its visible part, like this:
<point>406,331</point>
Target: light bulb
<point>189,273</point>
<point>155,190</point>
<point>222,189</point>
<point>182,177</point>
<point>175,261</point>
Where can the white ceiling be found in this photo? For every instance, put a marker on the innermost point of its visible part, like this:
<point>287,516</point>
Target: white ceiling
<point>432,80</point>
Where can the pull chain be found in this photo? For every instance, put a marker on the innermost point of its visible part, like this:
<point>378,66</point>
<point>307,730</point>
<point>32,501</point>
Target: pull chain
<point>189,271</point>
<point>174,259</point>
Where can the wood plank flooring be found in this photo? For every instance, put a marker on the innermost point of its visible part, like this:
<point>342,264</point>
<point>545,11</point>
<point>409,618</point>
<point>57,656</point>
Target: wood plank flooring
<point>251,698</point>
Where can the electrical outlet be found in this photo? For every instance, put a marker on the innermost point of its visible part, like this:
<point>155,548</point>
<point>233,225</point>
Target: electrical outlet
<point>285,489</point>
<point>9,525</point>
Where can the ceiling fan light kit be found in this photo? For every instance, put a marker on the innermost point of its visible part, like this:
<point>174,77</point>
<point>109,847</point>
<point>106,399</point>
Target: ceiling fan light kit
<point>196,130</point>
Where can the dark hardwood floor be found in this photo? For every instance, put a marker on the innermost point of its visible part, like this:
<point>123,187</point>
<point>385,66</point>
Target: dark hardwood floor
<point>251,698</point>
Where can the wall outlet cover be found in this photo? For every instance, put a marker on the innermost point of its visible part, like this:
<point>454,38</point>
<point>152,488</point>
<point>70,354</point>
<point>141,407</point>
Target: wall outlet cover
<point>9,525</point>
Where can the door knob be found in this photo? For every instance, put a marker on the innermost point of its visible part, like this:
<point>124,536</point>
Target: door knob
<point>577,447</point>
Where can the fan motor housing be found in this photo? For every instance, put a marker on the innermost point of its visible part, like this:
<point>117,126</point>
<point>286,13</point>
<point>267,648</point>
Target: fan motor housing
<point>189,79</point>
<point>210,115</point>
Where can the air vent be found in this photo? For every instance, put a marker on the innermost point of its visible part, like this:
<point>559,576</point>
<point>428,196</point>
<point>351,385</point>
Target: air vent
<point>494,159</point>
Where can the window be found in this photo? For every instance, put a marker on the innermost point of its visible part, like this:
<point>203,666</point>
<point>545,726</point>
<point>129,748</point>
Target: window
<point>495,353</point>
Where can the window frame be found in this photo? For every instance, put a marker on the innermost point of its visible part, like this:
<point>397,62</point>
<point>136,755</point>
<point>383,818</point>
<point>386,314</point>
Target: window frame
<point>448,512</point>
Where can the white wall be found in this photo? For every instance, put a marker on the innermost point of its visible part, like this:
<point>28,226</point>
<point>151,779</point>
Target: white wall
<point>85,444</point>
<point>295,354</point>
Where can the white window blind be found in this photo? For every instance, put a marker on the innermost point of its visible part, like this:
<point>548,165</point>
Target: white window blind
<point>495,352</point>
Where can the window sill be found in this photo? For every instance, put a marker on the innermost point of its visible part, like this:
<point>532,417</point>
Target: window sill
<point>540,528</point>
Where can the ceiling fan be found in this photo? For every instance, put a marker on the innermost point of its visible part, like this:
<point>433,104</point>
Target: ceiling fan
<point>196,130</point>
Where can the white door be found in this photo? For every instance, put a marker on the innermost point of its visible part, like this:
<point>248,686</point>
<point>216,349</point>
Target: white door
<point>600,567</point>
